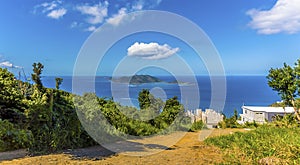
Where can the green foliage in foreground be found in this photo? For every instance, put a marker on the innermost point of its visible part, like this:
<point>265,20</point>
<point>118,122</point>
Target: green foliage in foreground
<point>46,120</point>
<point>38,118</point>
<point>282,145</point>
<point>12,137</point>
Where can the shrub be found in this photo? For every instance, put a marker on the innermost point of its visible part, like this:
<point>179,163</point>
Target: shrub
<point>230,122</point>
<point>13,138</point>
<point>11,106</point>
<point>286,121</point>
<point>198,125</point>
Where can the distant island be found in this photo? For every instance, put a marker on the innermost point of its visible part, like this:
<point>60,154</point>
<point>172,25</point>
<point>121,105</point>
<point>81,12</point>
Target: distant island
<point>137,79</point>
<point>143,79</point>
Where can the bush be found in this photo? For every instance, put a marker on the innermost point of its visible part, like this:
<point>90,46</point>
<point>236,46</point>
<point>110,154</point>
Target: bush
<point>251,124</point>
<point>198,125</point>
<point>52,119</point>
<point>11,106</point>
<point>286,121</point>
<point>13,138</point>
<point>230,122</point>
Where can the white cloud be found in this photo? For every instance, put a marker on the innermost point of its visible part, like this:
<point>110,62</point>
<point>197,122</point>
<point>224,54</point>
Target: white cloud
<point>96,12</point>
<point>93,13</point>
<point>284,17</point>
<point>56,14</point>
<point>91,29</point>
<point>49,6</point>
<point>117,18</point>
<point>9,64</point>
<point>6,64</point>
<point>151,51</point>
<point>52,9</point>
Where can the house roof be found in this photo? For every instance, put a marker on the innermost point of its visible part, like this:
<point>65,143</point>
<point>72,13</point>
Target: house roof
<point>269,109</point>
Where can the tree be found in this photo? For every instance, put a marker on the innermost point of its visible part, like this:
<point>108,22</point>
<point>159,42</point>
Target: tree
<point>171,110</point>
<point>235,115</point>
<point>11,106</point>
<point>286,81</point>
<point>36,76</point>
<point>58,82</point>
<point>144,99</point>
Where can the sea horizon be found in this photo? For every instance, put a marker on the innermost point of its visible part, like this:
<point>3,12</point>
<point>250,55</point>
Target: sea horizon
<point>241,90</point>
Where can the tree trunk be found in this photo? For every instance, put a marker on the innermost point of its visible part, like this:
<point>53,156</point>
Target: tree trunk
<point>296,110</point>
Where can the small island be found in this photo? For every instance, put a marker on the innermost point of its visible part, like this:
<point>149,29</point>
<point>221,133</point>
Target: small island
<point>137,79</point>
<point>144,79</point>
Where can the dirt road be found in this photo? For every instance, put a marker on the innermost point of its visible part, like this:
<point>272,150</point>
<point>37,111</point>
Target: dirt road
<point>188,150</point>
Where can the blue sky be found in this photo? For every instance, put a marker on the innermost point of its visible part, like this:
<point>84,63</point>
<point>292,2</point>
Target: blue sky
<point>250,36</point>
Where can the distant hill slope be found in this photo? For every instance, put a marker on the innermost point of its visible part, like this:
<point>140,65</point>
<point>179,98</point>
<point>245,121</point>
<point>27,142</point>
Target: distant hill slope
<point>137,79</point>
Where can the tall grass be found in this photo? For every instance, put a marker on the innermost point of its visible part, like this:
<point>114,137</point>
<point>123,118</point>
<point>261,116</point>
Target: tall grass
<point>262,145</point>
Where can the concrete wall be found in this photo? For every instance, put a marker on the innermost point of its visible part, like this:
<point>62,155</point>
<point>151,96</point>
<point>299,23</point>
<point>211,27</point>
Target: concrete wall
<point>251,116</point>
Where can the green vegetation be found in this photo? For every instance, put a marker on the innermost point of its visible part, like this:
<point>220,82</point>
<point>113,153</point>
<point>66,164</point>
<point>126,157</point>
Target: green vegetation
<point>34,117</point>
<point>12,137</point>
<point>286,81</point>
<point>36,76</point>
<point>282,145</point>
<point>198,125</point>
<point>151,119</point>
<point>46,120</point>
<point>230,122</point>
<point>58,82</point>
<point>11,104</point>
<point>277,142</point>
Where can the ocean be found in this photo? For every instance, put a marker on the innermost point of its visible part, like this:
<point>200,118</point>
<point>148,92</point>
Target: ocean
<point>240,90</point>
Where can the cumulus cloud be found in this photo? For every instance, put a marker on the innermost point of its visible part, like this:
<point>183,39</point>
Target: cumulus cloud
<point>151,51</point>
<point>9,65</point>
<point>117,18</point>
<point>56,14</point>
<point>284,17</point>
<point>96,12</point>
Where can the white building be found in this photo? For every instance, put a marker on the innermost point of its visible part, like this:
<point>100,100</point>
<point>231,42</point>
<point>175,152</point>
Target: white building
<point>262,114</point>
<point>210,117</point>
